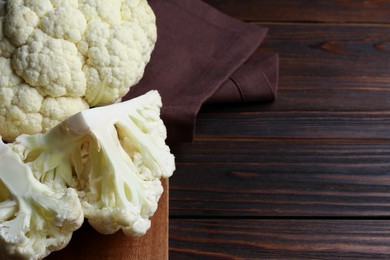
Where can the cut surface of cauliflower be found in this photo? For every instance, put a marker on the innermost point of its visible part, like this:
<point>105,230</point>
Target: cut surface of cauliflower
<point>89,52</point>
<point>34,220</point>
<point>114,156</point>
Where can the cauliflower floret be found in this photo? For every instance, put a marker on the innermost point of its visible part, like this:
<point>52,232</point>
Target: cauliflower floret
<point>6,47</point>
<point>24,110</point>
<point>90,50</point>
<point>64,79</point>
<point>40,7</point>
<point>34,220</point>
<point>113,155</point>
<point>26,117</point>
<point>65,3</point>
<point>64,23</point>
<point>138,11</point>
<point>20,104</point>
<point>55,110</point>
<point>108,11</point>
<point>111,65</point>
<point>20,24</point>
<point>7,76</point>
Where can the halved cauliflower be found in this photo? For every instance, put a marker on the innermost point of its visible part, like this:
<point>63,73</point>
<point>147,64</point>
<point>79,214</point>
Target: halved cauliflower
<point>114,156</point>
<point>65,56</point>
<point>34,220</point>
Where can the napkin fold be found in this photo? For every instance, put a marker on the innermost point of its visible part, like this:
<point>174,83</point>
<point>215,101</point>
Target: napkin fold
<point>204,56</point>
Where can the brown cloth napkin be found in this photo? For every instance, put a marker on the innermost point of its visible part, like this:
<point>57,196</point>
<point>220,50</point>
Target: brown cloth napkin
<point>202,55</point>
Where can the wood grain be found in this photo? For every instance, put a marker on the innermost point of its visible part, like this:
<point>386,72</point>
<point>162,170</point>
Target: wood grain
<point>293,124</point>
<point>88,244</point>
<point>280,239</point>
<point>305,177</point>
<point>340,11</point>
<point>334,83</point>
<point>281,178</point>
<point>331,56</point>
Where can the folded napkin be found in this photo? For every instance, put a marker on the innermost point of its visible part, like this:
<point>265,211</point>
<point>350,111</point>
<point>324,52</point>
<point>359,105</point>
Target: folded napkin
<point>203,56</point>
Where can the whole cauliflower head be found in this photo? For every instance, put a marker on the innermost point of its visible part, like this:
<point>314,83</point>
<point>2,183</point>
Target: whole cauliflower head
<point>58,57</point>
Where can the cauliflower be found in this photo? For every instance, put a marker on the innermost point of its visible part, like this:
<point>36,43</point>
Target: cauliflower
<point>34,220</point>
<point>114,156</point>
<point>66,56</point>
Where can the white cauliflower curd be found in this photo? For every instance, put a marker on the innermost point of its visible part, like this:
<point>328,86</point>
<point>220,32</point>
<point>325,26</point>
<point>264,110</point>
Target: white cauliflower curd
<point>59,57</point>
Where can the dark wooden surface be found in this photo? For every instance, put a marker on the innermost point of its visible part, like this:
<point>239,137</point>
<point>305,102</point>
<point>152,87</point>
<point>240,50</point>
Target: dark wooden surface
<point>308,176</point>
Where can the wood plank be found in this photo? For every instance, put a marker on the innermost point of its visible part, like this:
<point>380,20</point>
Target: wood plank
<point>245,124</point>
<point>316,99</point>
<point>331,56</point>
<point>285,178</point>
<point>356,11</point>
<point>87,244</point>
<point>279,239</point>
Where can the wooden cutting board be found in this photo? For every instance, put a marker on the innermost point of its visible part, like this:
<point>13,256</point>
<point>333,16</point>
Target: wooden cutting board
<point>89,244</point>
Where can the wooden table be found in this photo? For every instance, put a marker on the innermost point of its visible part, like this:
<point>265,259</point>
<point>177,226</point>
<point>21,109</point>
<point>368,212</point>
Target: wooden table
<point>307,176</point>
